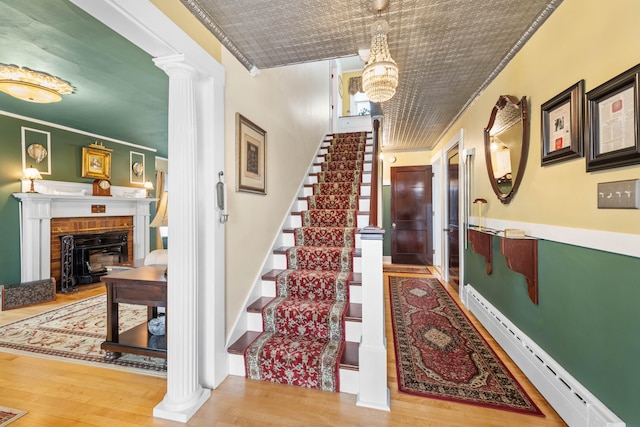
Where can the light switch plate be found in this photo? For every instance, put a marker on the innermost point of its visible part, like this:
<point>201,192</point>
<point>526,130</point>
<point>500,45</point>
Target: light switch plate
<point>619,194</point>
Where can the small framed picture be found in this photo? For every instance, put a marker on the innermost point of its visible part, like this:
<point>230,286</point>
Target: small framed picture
<point>251,155</point>
<point>136,168</point>
<point>36,148</point>
<point>612,122</point>
<point>562,125</point>
<point>96,162</point>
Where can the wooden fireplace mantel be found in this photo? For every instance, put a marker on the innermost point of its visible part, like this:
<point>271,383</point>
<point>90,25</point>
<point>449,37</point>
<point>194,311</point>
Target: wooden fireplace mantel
<point>521,255</point>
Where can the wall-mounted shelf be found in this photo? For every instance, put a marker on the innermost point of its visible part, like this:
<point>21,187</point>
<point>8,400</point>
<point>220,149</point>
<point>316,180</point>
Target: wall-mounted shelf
<point>522,257</point>
<point>481,243</point>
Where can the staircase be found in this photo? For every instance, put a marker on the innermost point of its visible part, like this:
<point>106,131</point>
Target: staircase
<point>309,314</point>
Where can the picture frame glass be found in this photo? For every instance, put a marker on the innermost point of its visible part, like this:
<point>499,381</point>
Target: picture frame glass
<point>616,122</point>
<point>251,153</point>
<point>96,163</point>
<point>560,127</point>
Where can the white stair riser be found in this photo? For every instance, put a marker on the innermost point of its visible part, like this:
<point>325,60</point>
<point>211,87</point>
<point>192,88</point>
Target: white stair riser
<point>349,380</point>
<point>288,239</point>
<point>280,263</point>
<point>295,221</point>
<point>353,330</point>
<point>269,290</point>
<point>363,205</point>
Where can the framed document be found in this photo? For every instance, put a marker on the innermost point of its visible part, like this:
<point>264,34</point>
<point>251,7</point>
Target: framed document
<point>612,120</point>
<point>562,125</point>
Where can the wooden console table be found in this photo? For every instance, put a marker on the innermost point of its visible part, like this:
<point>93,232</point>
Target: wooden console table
<point>140,286</point>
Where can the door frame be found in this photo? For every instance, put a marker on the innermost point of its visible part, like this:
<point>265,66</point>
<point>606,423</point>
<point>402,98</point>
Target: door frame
<point>441,204</point>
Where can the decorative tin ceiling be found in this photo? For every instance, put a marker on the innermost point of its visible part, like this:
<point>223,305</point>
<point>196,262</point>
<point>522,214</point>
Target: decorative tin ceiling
<point>447,50</point>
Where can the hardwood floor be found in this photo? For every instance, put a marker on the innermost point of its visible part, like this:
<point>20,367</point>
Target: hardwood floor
<point>69,394</point>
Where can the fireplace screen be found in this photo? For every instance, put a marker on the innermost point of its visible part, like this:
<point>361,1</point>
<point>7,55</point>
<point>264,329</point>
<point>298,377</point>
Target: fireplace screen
<point>85,257</point>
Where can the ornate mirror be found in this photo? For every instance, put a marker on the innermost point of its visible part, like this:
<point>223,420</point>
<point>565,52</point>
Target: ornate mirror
<point>506,144</point>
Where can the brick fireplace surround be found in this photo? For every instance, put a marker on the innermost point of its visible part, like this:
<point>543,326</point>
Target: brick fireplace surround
<point>68,208</point>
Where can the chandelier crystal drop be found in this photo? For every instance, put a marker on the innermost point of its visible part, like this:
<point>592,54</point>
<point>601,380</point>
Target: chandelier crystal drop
<point>380,75</point>
<point>32,86</point>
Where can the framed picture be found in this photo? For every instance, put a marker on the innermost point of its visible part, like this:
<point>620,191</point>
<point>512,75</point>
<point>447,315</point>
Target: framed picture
<point>562,125</point>
<point>136,168</point>
<point>96,162</point>
<point>251,155</point>
<point>612,122</point>
<point>36,150</point>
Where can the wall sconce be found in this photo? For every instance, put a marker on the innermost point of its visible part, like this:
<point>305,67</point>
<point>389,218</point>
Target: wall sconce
<point>37,152</point>
<point>32,174</point>
<point>480,202</point>
<point>149,187</point>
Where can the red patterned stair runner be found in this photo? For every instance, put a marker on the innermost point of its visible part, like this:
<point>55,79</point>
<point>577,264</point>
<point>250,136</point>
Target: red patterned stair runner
<point>304,325</point>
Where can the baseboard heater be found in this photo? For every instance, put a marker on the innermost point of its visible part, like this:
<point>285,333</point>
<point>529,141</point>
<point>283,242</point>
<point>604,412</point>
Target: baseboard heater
<point>573,402</point>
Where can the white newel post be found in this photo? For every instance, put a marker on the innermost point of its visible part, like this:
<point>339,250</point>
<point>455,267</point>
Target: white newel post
<point>184,395</point>
<point>374,392</point>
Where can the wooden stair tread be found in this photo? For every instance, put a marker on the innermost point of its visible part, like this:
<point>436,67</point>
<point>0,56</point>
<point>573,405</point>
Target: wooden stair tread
<point>354,311</point>
<point>349,360</point>
<point>366,184</point>
<point>356,278</point>
<point>243,342</point>
<point>359,196</point>
<point>298,213</point>
<point>282,250</point>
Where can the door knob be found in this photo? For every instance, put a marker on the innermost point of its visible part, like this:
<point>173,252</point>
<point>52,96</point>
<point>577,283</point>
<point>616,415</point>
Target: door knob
<point>446,230</point>
<point>393,225</point>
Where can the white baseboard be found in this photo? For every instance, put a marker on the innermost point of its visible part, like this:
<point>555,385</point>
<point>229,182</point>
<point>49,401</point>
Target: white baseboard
<point>573,402</point>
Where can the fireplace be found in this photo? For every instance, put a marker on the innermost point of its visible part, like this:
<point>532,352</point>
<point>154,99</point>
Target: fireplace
<point>85,257</point>
<point>60,209</point>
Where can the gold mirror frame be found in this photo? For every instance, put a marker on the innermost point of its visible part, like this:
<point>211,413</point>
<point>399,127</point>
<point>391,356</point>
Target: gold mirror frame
<point>494,120</point>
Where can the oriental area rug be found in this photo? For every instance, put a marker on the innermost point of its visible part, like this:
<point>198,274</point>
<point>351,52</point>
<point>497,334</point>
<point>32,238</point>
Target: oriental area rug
<point>9,415</point>
<point>74,333</point>
<point>441,355</point>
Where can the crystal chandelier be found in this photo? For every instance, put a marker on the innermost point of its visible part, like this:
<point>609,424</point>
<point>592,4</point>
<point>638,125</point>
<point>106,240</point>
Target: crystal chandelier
<point>380,75</point>
<point>32,86</point>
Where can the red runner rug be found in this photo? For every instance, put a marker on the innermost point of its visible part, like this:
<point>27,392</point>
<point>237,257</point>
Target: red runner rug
<point>303,334</point>
<point>441,355</point>
<point>9,415</point>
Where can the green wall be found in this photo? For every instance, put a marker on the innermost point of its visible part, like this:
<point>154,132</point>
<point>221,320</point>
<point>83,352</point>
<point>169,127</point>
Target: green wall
<point>66,165</point>
<point>587,319</point>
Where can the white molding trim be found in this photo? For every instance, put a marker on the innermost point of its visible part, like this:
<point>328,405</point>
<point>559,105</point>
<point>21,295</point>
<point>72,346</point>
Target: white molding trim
<point>608,241</point>
<point>201,362</point>
<point>573,402</point>
<point>78,131</point>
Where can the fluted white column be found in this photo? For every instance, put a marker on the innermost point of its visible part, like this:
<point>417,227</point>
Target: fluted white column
<point>184,393</point>
<point>374,392</point>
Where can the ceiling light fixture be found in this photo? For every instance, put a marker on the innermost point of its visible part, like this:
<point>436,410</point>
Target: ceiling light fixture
<point>32,86</point>
<point>380,75</point>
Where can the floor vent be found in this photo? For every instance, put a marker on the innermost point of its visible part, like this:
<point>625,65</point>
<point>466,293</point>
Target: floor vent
<point>573,402</point>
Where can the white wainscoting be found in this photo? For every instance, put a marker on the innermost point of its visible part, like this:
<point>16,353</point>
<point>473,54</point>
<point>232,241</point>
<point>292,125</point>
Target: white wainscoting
<point>573,402</point>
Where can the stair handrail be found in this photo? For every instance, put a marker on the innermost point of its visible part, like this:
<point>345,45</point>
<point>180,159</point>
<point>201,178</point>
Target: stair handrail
<point>373,198</point>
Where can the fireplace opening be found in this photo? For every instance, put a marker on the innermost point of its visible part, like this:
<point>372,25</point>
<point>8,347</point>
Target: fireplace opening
<point>85,257</point>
